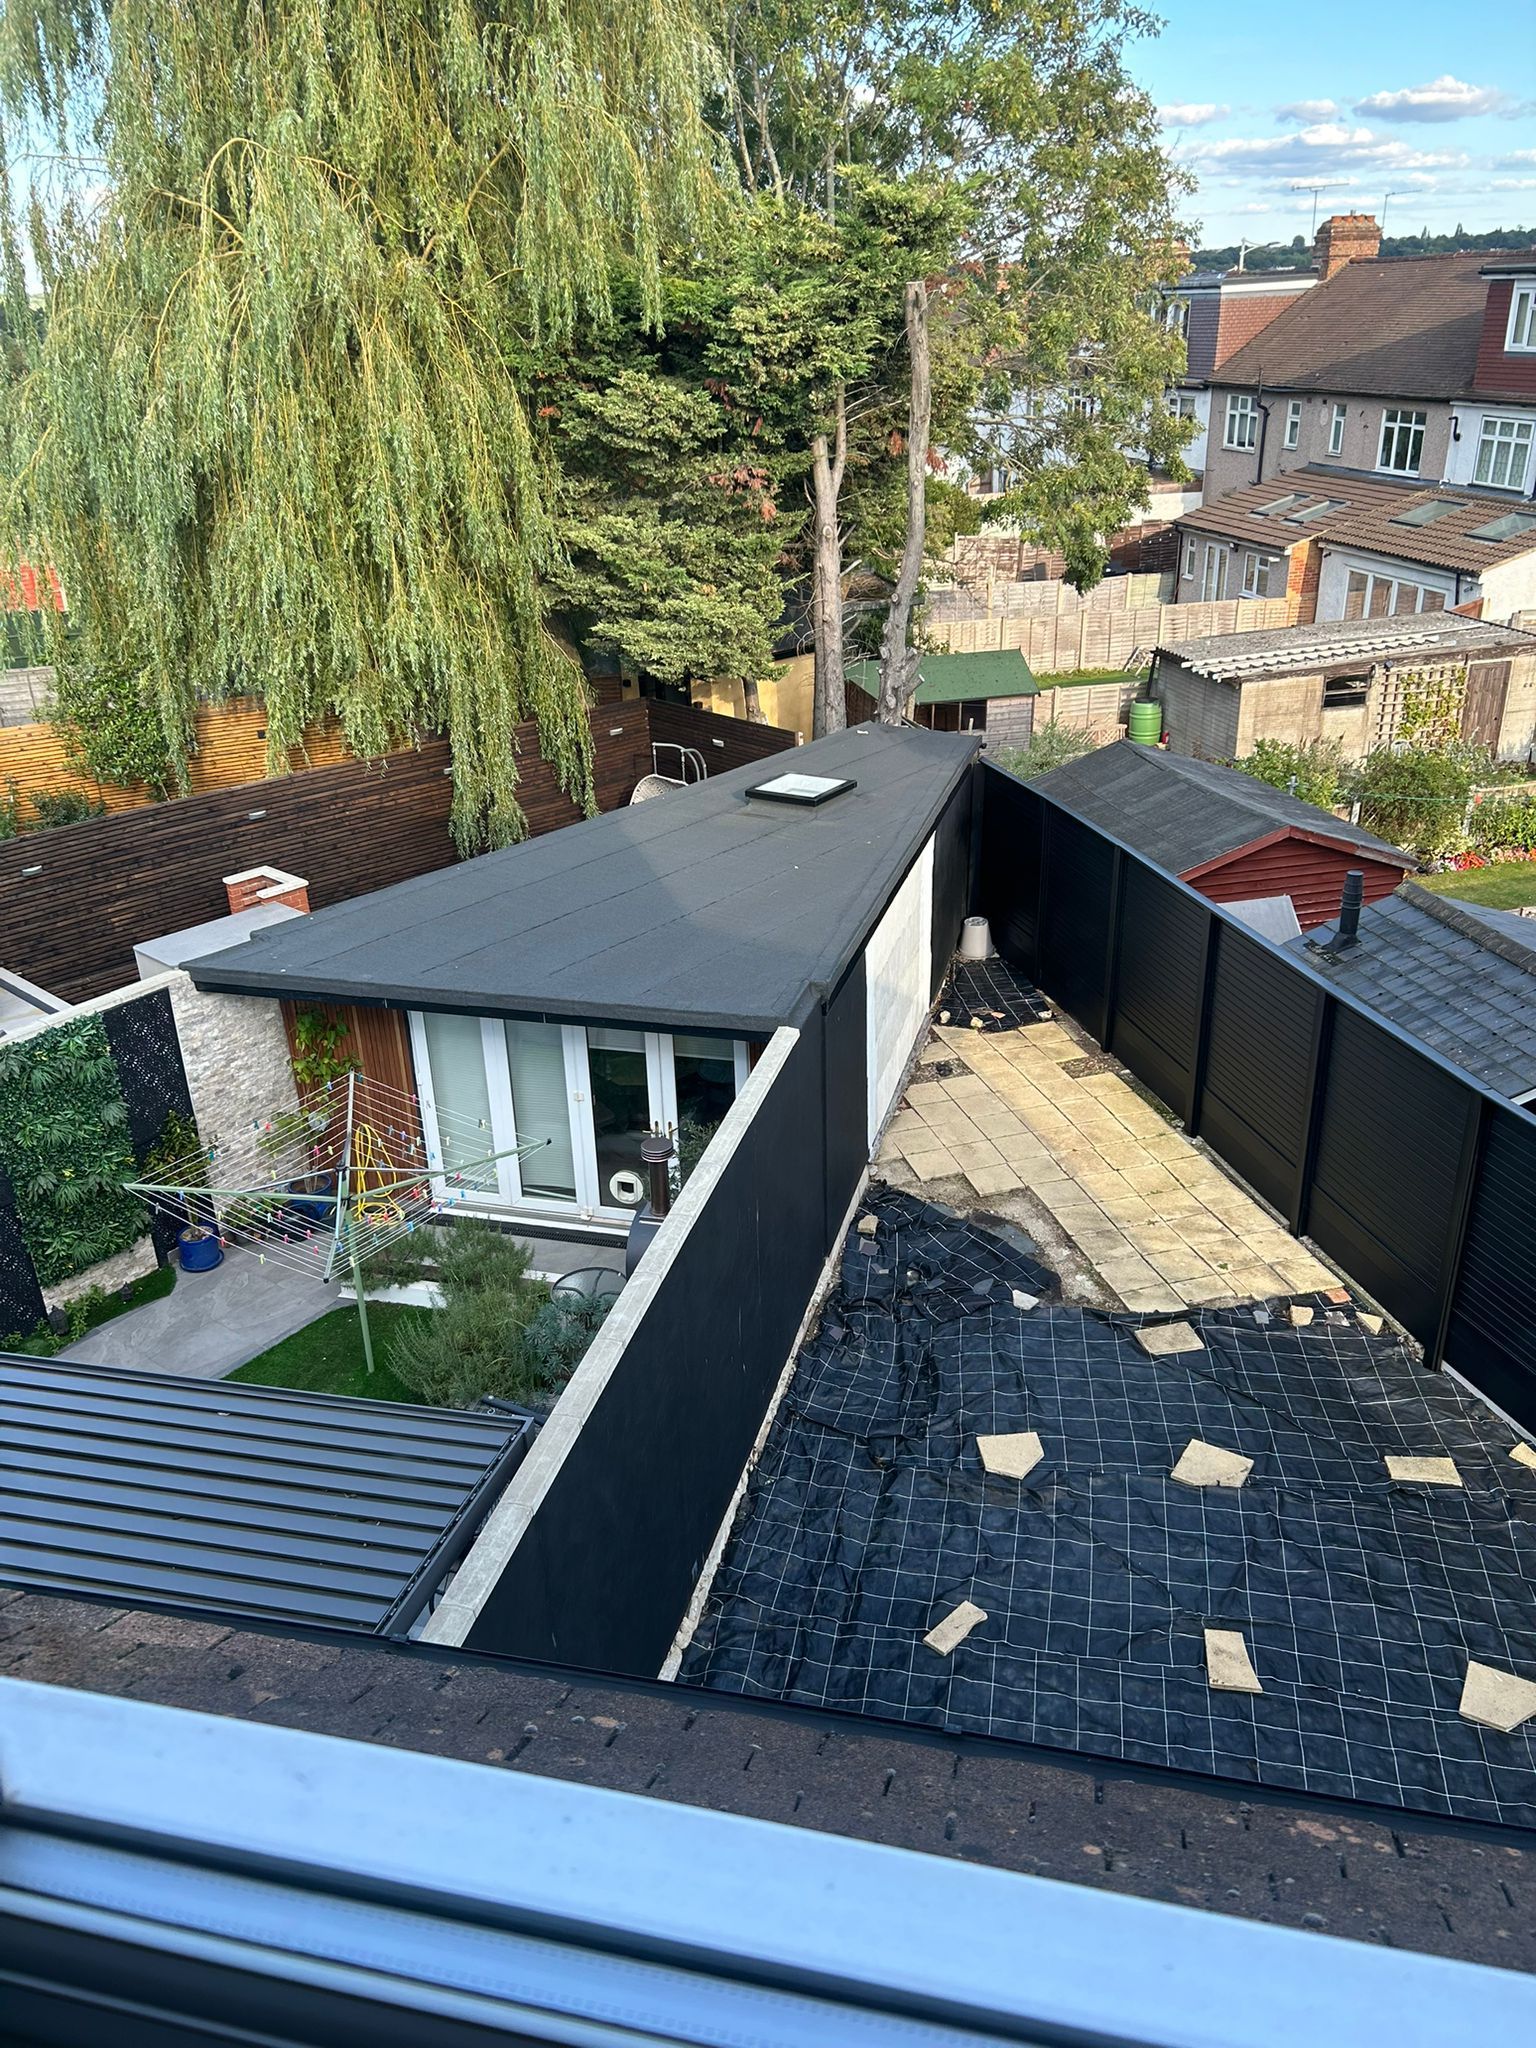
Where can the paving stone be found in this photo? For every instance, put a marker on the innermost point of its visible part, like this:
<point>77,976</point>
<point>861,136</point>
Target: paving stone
<point>1203,1464</point>
<point>1227,1663</point>
<point>1496,1699</point>
<point>1525,1454</point>
<point>1168,1340</point>
<point>1423,1471</point>
<point>946,1636</point>
<point>1011,1457</point>
<point>992,1180</point>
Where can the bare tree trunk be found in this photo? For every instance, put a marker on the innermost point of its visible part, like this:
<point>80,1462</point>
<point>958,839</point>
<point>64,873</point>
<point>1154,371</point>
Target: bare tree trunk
<point>752,700</point>
<point>898,661</point>
<point>827,466</point>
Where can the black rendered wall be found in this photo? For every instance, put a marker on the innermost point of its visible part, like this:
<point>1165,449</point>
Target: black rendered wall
<point>604,1573</point>
<point>952,854</point>
<point>1006,886</point>
<point>845,1094</point>
<point>1492,1333</point>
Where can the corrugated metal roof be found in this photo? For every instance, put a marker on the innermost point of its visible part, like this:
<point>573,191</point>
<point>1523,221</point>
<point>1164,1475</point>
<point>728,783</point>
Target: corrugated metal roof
<point>1302,650</point>
<point>239,1499</point>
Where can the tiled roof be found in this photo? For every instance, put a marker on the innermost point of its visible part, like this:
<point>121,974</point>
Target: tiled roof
<point>1400,327</point>
<point>1299,650</point>
<point>1239,515</point>
<point>1450,979</point>
<point>1444,542</point>
<point>1183,813</point>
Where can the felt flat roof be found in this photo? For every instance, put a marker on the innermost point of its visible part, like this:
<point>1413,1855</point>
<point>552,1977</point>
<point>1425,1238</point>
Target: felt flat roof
<point>960,678</point>
<point>706,908</point>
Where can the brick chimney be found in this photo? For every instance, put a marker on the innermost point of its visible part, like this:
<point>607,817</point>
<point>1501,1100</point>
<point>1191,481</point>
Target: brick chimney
<point>266,885</point>
<point>1345,238</point>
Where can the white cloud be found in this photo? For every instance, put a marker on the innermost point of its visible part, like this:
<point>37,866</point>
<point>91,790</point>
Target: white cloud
<point>1327,149</point>
<point>1513,184</point>
<point>1443,99</point>
<point>1308,110</point>
<point>1183,114</point>
<point>1519,156</point>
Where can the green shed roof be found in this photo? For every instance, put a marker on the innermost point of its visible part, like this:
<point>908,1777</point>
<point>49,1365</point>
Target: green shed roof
<point>958,678</point>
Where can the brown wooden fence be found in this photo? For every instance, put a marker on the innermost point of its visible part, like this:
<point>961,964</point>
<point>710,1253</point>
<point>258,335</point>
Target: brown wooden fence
<point>75,900</point>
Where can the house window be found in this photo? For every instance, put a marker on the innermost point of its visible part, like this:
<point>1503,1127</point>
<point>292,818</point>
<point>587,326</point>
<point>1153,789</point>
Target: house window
<point>1184,405</point>
<point>1336,430</point>
<point>1293,424</point>
<point>1368,596</point>
<point>1213,575</point>
<point>1242,428</point>
<point>1189,559</point>
<point>579,1099</point>
<point>1253,574</point>
<point>1345,690</point>
<point>1177,316</point>
<point>1522,320</point>
<point>1402,442</point>
<point>1503,454</point>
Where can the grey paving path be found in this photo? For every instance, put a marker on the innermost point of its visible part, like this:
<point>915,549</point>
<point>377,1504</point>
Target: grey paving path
<point>210,1322</point>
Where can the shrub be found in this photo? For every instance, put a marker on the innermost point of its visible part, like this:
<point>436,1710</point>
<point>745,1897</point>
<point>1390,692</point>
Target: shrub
<point>10,813</point>
<point>476,1343</point>
<point>1507,825</point>
<point>557,1340</point>
<point>1417,796</point>
<point>113,720</point>
<point>67,807</point>
<point>1315,774</point>
<point>1051,747</point>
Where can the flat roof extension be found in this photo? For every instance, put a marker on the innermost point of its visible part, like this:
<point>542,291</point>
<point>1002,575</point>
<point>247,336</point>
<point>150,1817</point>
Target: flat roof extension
<point>707,908</point>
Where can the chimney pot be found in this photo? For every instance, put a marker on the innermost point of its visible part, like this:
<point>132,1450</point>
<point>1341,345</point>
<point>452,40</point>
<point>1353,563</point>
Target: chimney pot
<point>1345,238</point>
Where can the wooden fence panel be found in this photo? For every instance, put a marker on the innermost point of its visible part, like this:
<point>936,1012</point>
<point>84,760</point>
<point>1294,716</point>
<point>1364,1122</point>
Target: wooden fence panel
<point>75,900</point>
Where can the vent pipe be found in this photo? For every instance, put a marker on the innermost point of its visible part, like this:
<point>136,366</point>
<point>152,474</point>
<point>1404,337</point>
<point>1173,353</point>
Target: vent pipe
<point>1349,908</point>
<point>656,1153</point>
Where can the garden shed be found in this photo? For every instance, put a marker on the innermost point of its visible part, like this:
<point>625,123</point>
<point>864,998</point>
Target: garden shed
<point>1230,836</point>
<point>990,693</point>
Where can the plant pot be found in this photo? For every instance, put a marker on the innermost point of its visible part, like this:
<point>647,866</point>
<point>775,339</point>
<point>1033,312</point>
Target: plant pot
<point>200,1253</point>
<point>302,1195</point>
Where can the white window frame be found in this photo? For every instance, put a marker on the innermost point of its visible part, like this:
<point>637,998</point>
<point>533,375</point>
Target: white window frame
<point>1253,573</point>
<point>1189,557</point>
<point>1240,423</point>
<point>1293,424</point>
<point>1177,317</point>
<point>1520,334</point>
<point>1336,428</point>
<point>1213,571</point>
<point>1392,584</point>
<point>589,1203</point>
<point>1519,439</point>
<point>1403,429</point>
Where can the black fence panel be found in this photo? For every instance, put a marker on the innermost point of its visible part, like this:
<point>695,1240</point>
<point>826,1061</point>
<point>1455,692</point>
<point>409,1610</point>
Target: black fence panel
<point>1007,880</point>
<point>1158,990</point>
<point>1492,1335</point>
<point>147,1055</point>
<point>1076,918</point>
<point>604,1572</point>
<point>1391,1151</point>
<point>1257,1085</point>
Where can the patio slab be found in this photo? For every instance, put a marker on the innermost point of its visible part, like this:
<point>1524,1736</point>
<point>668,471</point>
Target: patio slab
<point>210,1323</point>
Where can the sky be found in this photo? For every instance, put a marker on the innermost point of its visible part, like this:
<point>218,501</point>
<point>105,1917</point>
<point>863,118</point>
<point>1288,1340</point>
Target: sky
<point>1435,104</point>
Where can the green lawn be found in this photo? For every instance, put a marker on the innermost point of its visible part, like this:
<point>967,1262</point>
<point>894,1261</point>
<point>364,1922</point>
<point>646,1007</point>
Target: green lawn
<point>1071,678</point>
<point>1505,887</point>
<point>326,1357</point>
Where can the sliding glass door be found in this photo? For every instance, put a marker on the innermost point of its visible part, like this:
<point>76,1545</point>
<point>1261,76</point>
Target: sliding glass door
<point>583,1096</point>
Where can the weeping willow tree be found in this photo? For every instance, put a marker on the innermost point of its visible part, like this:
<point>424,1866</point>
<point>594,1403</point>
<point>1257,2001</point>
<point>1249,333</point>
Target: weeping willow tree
<point>263,416</point>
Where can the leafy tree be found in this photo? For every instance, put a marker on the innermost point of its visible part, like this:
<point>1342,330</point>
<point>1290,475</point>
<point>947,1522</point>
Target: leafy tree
<point>111,724</point>
<point>1058,214</point>
<point>269,428</point>
<point>1316,774</point>
<point>1417,796</point>
<point>1052,746</point>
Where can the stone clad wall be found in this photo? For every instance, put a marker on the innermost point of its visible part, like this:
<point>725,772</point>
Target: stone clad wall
<point>235,1052</point>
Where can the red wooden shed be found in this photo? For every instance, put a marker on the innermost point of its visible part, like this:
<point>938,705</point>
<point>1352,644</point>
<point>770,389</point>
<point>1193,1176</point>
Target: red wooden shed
<point>1229,836</point>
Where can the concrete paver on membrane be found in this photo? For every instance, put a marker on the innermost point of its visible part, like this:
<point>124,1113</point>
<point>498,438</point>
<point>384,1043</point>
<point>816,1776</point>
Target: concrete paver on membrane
<point>1157,1218</point>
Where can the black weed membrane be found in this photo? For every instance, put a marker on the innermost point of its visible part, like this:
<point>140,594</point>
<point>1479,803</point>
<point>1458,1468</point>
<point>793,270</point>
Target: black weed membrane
<point>870,1517</point>
<point>988,995</point>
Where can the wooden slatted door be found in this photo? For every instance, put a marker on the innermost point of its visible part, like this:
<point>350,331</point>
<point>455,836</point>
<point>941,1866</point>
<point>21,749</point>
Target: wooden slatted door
<point>1483,712</point>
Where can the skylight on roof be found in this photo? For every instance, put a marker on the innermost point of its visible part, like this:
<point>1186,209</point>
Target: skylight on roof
<point>1509,527</point>
<point>1280,505</point>
<point>802,789</point>
<point>1319,509</point>
<point>1426,515</point>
